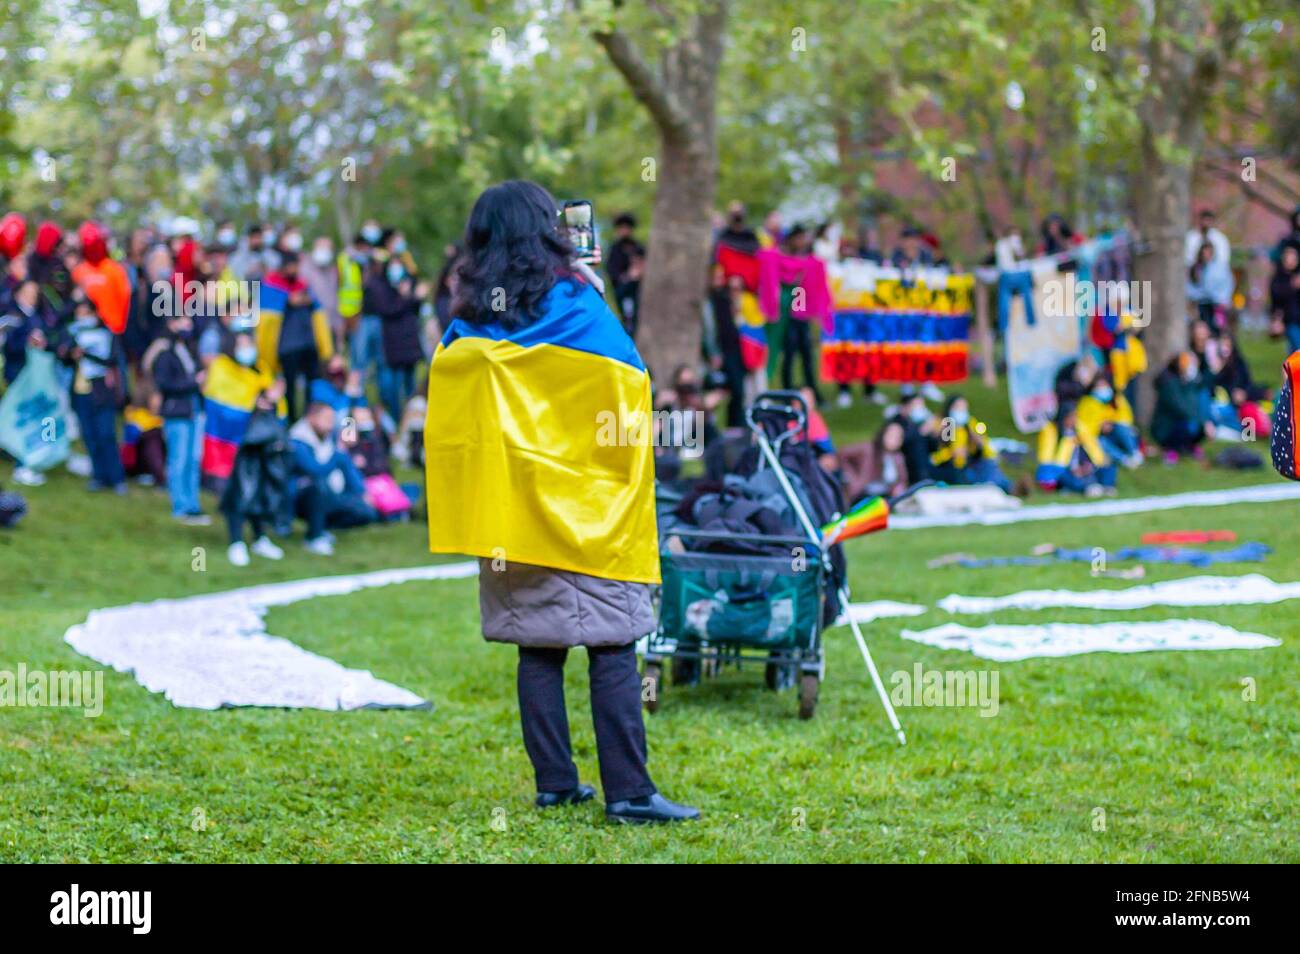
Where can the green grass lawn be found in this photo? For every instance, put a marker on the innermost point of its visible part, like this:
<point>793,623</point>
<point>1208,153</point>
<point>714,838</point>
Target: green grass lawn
<point>1163,743</point>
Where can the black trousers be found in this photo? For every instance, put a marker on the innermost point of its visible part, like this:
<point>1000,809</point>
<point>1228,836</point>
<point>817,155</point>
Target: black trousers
<point>615,713</point>
<point>798,343</point>
<point>322,509</point>
<point>298,366</point>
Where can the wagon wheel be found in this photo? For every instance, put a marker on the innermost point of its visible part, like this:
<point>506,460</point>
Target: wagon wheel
<point>652,684</point>
<point>809,683</point>
<point>779,674</point>
<point>686,672</point>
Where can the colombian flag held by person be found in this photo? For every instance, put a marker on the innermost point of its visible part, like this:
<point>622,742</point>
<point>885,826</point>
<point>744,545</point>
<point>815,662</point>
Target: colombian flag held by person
<point>273,298</point>
<point>569,487</point>
<point>229,395</point>
<point>743,265</point>
<point>753,331</point>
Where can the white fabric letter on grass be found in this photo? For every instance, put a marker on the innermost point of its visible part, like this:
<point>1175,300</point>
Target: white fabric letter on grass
<point>212,651</point>
<point>1011,643</point>
<point>1260,493</point>
<point>879,609</point>
<point>1189,591</point>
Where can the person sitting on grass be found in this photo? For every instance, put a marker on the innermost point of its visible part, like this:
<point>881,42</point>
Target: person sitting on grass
<point>329,491</point>
<point>144,453</point>
<point>340,388</point>
<point>920,432</point>
<point>1240,393</point>
<point>876,467</point>
<point>1107,417</point>
<point>1070,457</point>
<point>964,454</point>
<point>1180,421</point>
<point>366,442</point>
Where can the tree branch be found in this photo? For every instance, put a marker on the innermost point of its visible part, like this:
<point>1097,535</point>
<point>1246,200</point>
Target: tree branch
<point>673,121</point>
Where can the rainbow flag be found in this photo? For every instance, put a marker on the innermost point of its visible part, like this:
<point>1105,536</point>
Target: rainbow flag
<point>229,395</point>
<point>867,516</point>
<point>538,443</point>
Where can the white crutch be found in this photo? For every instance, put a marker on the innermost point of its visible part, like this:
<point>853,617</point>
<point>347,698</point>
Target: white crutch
<point>815,537</point>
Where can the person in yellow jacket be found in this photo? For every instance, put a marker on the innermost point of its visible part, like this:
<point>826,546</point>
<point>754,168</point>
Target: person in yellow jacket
<point>1070,458</point>
<point>1127,357</point>
<point>964,454</point>
<point>351,281</point>
<point>1106,415</point>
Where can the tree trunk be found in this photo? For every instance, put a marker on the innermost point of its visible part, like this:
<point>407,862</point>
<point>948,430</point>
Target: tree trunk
<point>677,258</point>
<point>1163,212</point>
<point>681,97</point>
<point>1172,116</point>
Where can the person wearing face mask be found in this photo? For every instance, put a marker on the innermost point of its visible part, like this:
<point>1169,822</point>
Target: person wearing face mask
<point>1071,459</point>
<point>391,295</point>
<point>1105,414</point>
<point>290,240</point>
<point>1180,423</point>
<point>876,467</point>
<point>293,334</point>
<point>227,237</point>
<point>245,451</point>
<point>174,366</point>
<point>736,233</point>
<point>320,271</point>
<point>252,260</point>
<point>919,432</point>
<point>964,454</point>
<point>398,249</point>
<point>371,233</point>
<point>339,388</point>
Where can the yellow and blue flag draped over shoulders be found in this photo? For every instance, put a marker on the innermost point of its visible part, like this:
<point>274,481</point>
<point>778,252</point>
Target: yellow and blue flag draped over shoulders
<point>538,442</point>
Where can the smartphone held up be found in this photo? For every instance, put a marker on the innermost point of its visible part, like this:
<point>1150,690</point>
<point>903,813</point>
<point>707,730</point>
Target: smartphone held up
<point>580,227</point>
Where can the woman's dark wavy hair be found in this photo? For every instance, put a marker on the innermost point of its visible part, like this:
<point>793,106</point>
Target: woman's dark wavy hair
<point>512,243</point>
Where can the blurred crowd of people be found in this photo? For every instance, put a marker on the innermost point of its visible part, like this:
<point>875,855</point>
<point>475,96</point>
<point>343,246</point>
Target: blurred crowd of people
<point>153,338</point>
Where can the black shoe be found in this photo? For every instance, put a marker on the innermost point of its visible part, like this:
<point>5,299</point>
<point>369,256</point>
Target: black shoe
<point>651,808</point>
<point>572,796</point>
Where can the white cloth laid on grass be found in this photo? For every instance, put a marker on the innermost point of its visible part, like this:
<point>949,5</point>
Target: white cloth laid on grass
<point>1005,643</point>
<point>880,609</point>
<point>1188,591</point>
<point>1260,493</point>
<point>213,650</point>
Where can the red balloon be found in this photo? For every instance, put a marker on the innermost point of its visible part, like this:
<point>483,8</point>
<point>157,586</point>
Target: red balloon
<point>13,233</point>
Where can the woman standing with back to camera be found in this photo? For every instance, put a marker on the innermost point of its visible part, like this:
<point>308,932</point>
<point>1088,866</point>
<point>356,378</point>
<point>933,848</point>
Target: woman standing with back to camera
<point>535,473</point>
